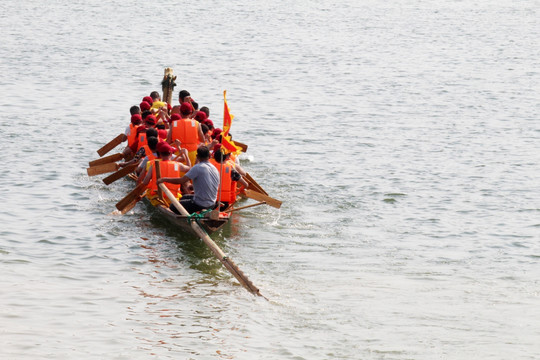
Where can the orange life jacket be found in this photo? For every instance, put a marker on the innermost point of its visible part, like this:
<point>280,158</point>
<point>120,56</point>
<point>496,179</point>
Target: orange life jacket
<point>148,152</point>
<point>132,134</point>
<point>143,140</point>
<point>234,184</point>
<point>187,131</point>
<point>228,192</point>
<point>168,168</point>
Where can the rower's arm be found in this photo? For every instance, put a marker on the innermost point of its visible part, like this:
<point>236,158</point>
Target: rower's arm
<point>148,175</point>
<point>240,170</point>
<point>184,168</point>
<point>186,157</point>
<point>201,134</point>
<point>182,180</point>
<point>169,134</point>
<point>243,182</point>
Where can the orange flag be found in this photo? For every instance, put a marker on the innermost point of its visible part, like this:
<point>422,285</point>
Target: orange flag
<point>227,117</point>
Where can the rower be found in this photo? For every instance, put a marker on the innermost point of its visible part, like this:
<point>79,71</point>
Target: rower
<point>207,138</point>
<point>131,133</point>
<point>148,99</point>
<point>162,131</point>
<point>195,106</point>
<point>229,178</point>
<point>206,110</point>
<point>140,141</point>
<point>208,123</point>
<point>145,106</point>
<point>200,116</point>
<point>150,153</point>
<point>159,108</point>
<point>205,179</point>
<point>183,96</point>
<point>187,130</point>
<point>168,168</point>
<point>142,145</point>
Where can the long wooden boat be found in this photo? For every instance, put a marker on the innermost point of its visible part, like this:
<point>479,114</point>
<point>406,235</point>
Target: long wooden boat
<point>199,224</point>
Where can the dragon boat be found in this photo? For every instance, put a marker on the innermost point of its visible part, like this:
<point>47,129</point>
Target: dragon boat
<point>200,224</point>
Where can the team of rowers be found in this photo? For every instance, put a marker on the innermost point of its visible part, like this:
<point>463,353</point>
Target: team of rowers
<point>192,162</point>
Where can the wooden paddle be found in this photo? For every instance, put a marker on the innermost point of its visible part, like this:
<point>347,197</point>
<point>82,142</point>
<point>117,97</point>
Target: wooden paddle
<point>130,206</point>
<point>261,197</point>
<point>120,174</point>
<point>102,169</point>
<point>111,145</point>
<point>245,207</point>
<point>254,185</point>
<point>157,164</point>
<point>134,195</point>
<point>224,259</point>
<point>107,159</point>
<point>241,145</point>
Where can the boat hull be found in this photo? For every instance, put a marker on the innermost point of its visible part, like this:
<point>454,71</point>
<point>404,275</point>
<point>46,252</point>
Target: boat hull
<point>183,223</point>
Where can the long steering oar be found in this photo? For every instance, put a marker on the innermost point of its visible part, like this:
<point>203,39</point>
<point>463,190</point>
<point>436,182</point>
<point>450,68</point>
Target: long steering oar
<point>111,145</point>
<point>120,173</point>
<point>225,260</point>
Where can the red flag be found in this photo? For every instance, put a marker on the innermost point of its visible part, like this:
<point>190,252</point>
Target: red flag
<point>227,117</point>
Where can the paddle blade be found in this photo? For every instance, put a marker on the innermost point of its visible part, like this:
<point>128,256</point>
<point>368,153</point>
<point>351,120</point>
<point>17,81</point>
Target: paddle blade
<point>119,174</point>
<point>242,146</point>
<point>261,197</point>
<point>133,195</point>
<point>102,169</point>
<point>129,206</point>
<point>107,159</point>
<point>111,145</point>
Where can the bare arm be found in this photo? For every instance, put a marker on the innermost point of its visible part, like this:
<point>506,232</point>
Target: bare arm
<point>201,134</point>
<point>184,168</point>
<point>240,170</point>
<point>186,157</point>
<point>164,112</point>
<point>148,175</point>
<point>243,182</point>
<point>184,179</point>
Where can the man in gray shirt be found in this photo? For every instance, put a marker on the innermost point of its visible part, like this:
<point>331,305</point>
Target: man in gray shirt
<point>205,179</point>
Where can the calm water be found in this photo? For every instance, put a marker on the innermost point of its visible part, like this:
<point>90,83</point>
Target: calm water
<point>403,138</point>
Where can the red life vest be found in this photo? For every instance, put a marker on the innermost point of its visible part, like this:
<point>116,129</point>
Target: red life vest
<point>168,168</point>
<point>187,131</point>
<point>228,192</point>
